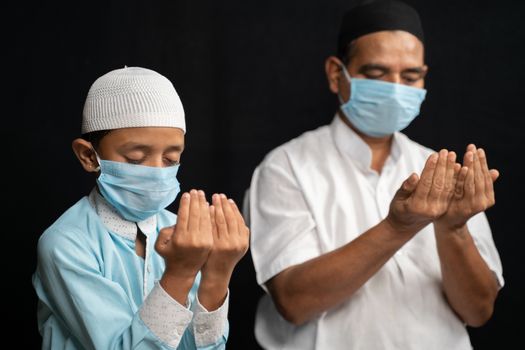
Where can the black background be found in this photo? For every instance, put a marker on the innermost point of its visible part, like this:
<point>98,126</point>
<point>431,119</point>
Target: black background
<point>251,76</point>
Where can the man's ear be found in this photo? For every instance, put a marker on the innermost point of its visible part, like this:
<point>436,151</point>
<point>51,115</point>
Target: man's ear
<point>86,155</point>
<point>425,71</point>
<point>333,73</point>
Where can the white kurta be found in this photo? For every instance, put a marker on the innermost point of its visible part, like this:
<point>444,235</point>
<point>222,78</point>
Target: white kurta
<point>317,193</point>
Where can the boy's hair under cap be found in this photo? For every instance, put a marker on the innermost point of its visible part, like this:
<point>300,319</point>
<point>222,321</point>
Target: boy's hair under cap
<point>132,97</point>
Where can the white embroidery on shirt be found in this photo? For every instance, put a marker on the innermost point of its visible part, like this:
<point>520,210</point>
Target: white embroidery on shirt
<point>116,223</point>
<point>164,316</point>
<point>208,327</point>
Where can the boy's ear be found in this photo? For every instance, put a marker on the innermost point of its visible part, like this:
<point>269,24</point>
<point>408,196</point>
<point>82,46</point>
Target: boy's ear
<point>86,155</point>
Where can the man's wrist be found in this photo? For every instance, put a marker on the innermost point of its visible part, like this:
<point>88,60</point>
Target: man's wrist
<point>398,231</point>
<point>444,226</point>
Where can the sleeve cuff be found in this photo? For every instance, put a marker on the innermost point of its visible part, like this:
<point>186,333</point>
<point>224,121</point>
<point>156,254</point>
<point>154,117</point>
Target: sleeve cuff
<point>276,266</point>
<point>209,327</point>
<point>164,316</point>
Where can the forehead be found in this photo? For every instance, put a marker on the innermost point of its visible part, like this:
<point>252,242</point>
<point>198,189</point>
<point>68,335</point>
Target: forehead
<point>389,48</point>
<point>148,136</point>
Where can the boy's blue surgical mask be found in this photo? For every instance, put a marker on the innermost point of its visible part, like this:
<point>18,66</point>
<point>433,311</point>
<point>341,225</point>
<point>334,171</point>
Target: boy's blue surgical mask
<point>378,108</point>
<point>137,191</point>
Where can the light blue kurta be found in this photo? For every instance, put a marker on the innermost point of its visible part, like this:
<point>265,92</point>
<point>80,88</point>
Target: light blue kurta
<point>92,285</point>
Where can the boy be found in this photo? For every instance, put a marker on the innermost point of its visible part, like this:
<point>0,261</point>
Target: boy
<point>117,270</point>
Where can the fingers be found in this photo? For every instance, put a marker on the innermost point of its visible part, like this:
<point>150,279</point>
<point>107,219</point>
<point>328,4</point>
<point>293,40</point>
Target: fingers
<point>194,213</point>
<point>439,177</point>
<point>457,172</point>
<point>483,161</point>
<point>469,188</point>
<point>184,210</point>
<point>468,161</point>
<point>474,170</point>
<point>486,172</point>
<point>485,176</point>
<point>459,191</point>
<point>488,176</point>
<point>220,220</point>
<point>229,214</point>
<point>228,218</point>
<point>494,174</point>
<point>212,221</point>
<point>205,222</point>
<point>164,237</point>
<point>479,177</point>
<point>407,187</point>
<point>410,184</point>
<point>238,216</point>
<point>425,181</point>
<point>451,176</point>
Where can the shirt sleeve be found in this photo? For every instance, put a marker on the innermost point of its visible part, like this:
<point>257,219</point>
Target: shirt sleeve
<point>210,329</point>
<point>480,230</point>
<point>164,316</point>
<point>283,231</point>
<point>168,320</point>
<point>95,310</point>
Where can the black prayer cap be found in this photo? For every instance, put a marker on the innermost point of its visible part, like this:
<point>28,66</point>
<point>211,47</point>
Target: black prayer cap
<point>377,16</point>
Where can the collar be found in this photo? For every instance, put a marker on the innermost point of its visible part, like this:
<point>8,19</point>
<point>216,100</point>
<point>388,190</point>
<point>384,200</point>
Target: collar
<point>115,222</point>
<point>352,145</point>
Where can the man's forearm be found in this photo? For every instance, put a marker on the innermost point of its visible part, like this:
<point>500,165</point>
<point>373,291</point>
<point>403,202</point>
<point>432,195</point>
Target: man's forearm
<point>470,286</point>
<point>305,290</point>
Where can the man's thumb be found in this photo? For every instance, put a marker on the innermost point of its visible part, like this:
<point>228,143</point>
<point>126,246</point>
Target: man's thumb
<point>408,186</point>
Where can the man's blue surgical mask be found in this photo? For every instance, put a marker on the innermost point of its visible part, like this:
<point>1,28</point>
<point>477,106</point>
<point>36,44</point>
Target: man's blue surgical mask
<point>137,191</point>
<point>378,108</point>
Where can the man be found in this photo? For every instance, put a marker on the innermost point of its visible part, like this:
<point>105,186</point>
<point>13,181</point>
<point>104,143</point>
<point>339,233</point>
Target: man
<point>117,270</point>
<point>362,238</point>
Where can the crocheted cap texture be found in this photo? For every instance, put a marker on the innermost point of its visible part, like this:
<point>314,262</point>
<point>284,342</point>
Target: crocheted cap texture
<point>132,97</point>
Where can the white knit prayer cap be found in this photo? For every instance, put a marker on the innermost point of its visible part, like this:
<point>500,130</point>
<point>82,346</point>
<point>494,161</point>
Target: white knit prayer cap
<point>132,97</point>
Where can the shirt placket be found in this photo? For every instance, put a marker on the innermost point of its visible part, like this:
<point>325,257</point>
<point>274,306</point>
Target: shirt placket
<point>147,268</point>
<point>383,200</point>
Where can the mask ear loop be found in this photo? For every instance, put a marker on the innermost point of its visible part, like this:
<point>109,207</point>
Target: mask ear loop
<point>349,80</point>
<point>98,159</point>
